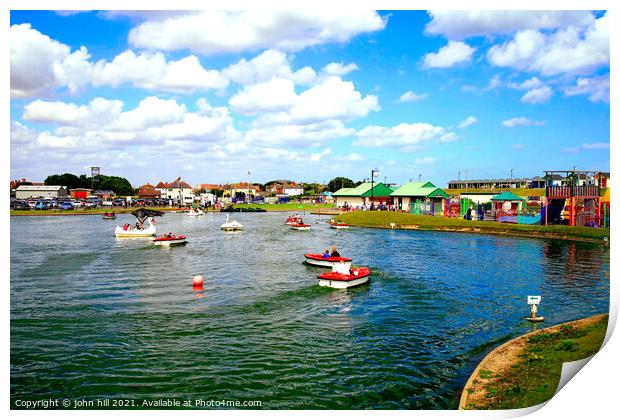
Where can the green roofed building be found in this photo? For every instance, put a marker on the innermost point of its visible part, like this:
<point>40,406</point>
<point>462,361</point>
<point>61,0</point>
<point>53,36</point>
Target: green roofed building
<point>420,198</point>
<point>361,195</point>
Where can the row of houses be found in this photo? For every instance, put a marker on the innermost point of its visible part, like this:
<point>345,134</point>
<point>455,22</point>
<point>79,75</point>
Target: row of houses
<point>599,179</point>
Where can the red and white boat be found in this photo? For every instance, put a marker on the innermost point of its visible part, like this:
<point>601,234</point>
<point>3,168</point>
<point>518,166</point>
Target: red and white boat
<point>344,276</point>
<point>109,215</point>
<point>291,220</point>
<point>318,260</point>
<point>170,240</point>
<point>338,225</point>
<point>300,226</point>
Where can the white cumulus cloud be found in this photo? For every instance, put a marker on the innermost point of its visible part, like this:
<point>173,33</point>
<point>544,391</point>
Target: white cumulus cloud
<point>264,67</point>
<point>411,96</point>
<point>471,120</point>
<point>464,24</point>
<point>454,53</point>
<point>403,134</point>
<point>597,88</point>
<point>517,121</point>
<point>537,95</point>
<point>572,50</point>
<point>213,32</point>
<point>339,69</point>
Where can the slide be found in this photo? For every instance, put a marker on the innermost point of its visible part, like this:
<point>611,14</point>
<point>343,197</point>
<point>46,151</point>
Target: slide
<point>555,208</point>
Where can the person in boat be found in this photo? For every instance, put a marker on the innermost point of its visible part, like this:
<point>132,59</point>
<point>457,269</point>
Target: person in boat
<point>126,226</point>
<point>169,235</point>
<point>326,253</point>
<point>335,252</point>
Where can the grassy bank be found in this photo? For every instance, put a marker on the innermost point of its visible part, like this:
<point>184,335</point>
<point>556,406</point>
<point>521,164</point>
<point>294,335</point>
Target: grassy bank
<point>382,219</point>
<point>527,370</point>
<point>286,207</point>
<point>78,212</point>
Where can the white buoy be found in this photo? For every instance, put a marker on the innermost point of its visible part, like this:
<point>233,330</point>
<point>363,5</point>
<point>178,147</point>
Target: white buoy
<point>392,225</point>
<point>534,301</point>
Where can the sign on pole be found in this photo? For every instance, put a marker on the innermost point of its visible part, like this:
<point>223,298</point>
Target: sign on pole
<point>533,300</point>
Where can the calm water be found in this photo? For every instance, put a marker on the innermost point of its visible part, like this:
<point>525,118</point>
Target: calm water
<point>93,316</point>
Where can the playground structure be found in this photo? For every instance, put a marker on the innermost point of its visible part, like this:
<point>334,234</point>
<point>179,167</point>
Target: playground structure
<point>575,202</point>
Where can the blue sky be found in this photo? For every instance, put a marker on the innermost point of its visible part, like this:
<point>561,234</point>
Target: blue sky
<point>211,95</point>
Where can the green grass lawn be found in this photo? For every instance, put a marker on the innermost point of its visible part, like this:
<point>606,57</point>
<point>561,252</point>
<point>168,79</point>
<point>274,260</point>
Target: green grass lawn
<point>286,207</point>
<point>535,377</point>
<point>382,219</point>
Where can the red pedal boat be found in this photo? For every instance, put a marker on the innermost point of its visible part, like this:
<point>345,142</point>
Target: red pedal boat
<point>319,261</point>
<point>300,226</point>
<point>292,220</point>
<point>338,225</point>
<point>345,276</point>
<point>170,240</point>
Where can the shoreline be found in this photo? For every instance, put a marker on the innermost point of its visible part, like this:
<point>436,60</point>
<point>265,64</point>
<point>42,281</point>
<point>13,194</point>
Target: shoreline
<point>406,221</point>
<point>503,357</point>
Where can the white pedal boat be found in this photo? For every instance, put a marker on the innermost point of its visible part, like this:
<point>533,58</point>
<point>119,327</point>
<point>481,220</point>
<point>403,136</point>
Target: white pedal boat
<point>132,232</point>
<point>197,212</point>
<point>344,276</point>
<point>231,226</point>
<point>169,241</point>
<point>318,260</point>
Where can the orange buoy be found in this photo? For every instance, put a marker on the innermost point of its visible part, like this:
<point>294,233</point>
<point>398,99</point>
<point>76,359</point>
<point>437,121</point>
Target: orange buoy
<point>198,281</point>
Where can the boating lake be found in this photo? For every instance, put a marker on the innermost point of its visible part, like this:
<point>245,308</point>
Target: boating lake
<point>93,316</point>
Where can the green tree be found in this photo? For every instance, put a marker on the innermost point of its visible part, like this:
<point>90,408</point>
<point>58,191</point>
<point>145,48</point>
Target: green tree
<point>340,182</point>
<point>217,192</point>
<point>118,184</point>
<point>68,180</point>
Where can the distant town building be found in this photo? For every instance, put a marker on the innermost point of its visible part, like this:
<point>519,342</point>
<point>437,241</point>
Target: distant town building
<point>232,190</point>
<point>148,191</point>
<point>178,191</point>
<point>80,193</point>
<point>601,179</point>
<point>40,191</point>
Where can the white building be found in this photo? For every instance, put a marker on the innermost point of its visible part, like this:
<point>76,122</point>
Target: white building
<point>178,191</point>
<point>292,191</point>
<point>40,191</point>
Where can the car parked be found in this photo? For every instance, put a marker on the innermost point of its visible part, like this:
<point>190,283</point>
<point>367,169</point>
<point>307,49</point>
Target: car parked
<point>20,205</point>
<point>119,202</point>
<point>67,205</point>
<point>40,205</point>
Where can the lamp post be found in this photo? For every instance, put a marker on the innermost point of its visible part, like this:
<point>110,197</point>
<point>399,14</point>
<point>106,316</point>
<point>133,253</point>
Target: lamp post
<point>373,174</point>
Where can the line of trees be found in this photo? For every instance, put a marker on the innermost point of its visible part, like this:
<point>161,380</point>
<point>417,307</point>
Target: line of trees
<point>119,185</point>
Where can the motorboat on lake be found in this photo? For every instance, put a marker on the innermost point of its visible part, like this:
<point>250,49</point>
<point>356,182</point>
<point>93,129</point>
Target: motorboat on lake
<point>318,260</point>
<point>344,276</point>
<point>231,225</point>
<point>169,240</point>
<point>109,215</point>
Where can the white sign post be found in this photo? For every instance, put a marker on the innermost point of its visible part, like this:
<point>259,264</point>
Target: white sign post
<point>534,301</point>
